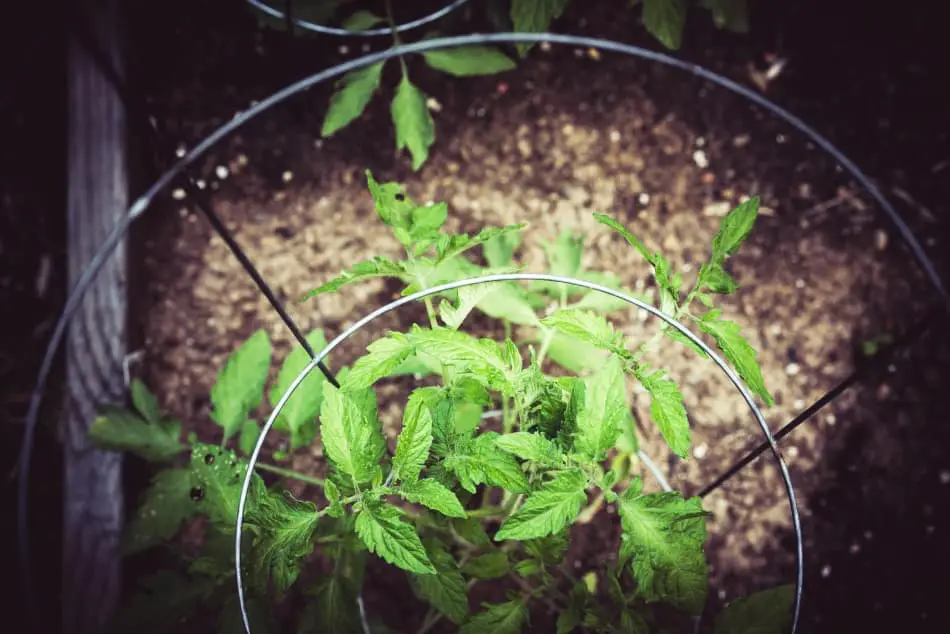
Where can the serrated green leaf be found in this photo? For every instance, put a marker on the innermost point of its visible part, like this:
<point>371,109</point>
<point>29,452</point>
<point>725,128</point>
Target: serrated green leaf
<point>415,129</point>
<point>737,351</point>
<point>412,446</point>
<point>393,205</point>
<point>491,565</point>
<point>575,354</point>
<point>450,246</point>
<point>427,220</point>
<point>714,277</point>
<point>600,419</point>
<point>446,590</point>
<point>353,93</point>
<point>216,478</point>
<point>528,446</point>
<point>505,301</point>
<point>469,60</point>
<point>368,269</point>
<point>735,228</point>
<point>383,357</point>
<point>730,14</point>
<point>679,337</point>
<point>498,251</point>
<point>361,21</point>
<point>165,505</point>
<point>469,297</point>
<point>333,608</point>
<point>527,567</point>
<point>352,438</point>
<point>668,411</point>
<point>564,254</point>
<point>534,16</point>
<point>433,495</point>
<point>284,538</point>
<point>665,535</point>
<point>383,532</point>
<point>145,402</point>
<point>589,327</point>
<point>627,235</point>
<point>480,358</point>
<point>765,612</point>
<point>472,531</point>
<point>250,433</point>
<point>487,464</point>
<point>548,510</point>
<point>118,429</point>
<point>298,416</point>
<point>665,20</point>
<point>240,384</point>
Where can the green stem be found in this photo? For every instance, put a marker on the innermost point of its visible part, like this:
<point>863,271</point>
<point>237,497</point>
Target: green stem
<point>545,344</point>
<point>290,473</point>
<point>396,41</point>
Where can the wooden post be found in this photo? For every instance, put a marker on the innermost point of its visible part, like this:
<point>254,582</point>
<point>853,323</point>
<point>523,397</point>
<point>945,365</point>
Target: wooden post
<point>96,344</point>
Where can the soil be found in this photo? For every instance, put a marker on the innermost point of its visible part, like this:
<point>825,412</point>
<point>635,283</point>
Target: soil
<point>567,134</point>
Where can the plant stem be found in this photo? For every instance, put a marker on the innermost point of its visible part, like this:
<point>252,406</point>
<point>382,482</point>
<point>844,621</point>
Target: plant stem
<point>545,344</point>
<point>290,473</point>
<point>396,41</point>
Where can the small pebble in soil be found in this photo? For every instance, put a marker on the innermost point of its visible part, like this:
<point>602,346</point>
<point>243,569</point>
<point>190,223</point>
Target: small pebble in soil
<point>741,141</point>
<point>614,136</point>
<point>791,452</point>
<point>868,535</point>
<point>700,141</point>
<point>643,198</point>
<point>344,49</point>
<point>880,239</point>
<point>433,104</point>
<point>701,160</point>
<point>180,150</point>
<point>799,404</point>
<point>700,451</point>
<point>221,172</point>
<point>594,54</point>
<point>178,193</point>
<point>799,283</point>
<point>831,419</point>
<point>545,46</point>
<point>200,183</point>
<point>945,476</point>
<point>287,176</point>
<point>365,48</point>
<point>792,369</point>
<point>721,594</point>
<point>578,52</point>
<point>826,571</point>
<point>780,138</point>
<point>855,548</point>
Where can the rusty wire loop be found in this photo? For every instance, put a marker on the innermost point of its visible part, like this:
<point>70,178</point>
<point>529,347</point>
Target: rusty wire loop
<point>143,203</point>
<point>306,25</point>
<point>512,277</point>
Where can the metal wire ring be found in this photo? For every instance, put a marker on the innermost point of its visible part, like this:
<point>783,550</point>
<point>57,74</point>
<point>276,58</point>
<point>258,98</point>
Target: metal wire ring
<point>76,293</point>
<point>510,277</point>
<point>330,30</point>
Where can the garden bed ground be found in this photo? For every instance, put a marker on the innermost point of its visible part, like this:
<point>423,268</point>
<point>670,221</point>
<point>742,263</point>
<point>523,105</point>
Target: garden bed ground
<point>567,134</point>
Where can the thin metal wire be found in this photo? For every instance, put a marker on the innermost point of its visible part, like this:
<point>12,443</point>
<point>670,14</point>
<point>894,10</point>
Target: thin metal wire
<point>331,30</point>
<point>142,203</point>
<point>511,277</point>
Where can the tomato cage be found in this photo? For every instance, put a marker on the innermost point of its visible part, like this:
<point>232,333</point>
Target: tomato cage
<point>102,257</point>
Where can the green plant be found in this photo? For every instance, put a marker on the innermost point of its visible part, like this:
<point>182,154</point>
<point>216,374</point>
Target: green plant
<point>410,106</point>
<point>465,497</point>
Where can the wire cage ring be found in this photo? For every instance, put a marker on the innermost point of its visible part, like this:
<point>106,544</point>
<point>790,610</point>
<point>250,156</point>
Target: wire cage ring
<point>513,277</point>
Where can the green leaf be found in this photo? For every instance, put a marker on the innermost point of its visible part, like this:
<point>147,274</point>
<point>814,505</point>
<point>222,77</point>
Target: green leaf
<point>730,14</point>
<point>679,337</point>
<point>737,351</point>
<point>250,433</point>
<point>589,327</point>
<point>445,590</point>
<point>498,251</point>
<point>117,429</point>
<point>469,297</point>
<point>534,16</point>
<point>600,419</point>
<point>415,129</point>
<point>460,351</point>
<point>368,269</point>
<point>285,538</point>
<point>353,92</point>
<point>469,60</point>
<point>633,623</point>
<point>433,495</point>
<point>384,356</point>
<point>665,20</point>
<point>564,254</point>
<point>667,409</point>
<point>412,446</point>
<point>548,510</point>
<point>505,301</point>
<point>528,446</point>
<point>165,505</point>
<point>382,530</point>
<point>482,462</point>
<point>714,277</point>
<point>333,608</point>
<point>765,612</point>
<point>299,414</point>
<point>145,402</point>
<point>361,21</point>
<point>665,535</point>
<point>240,384</point>
<point>734,229</point>
<point>491,565</point>
<point>352,437</point>
<point>498,618</point>
<point>575,354</point>
<point>472,531</point>
<point>627,235</point>
<point>572,617</point>
<point>393,206</point>
<point>427,220</point>
<point>450,246</point>
<point>216,478</point>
